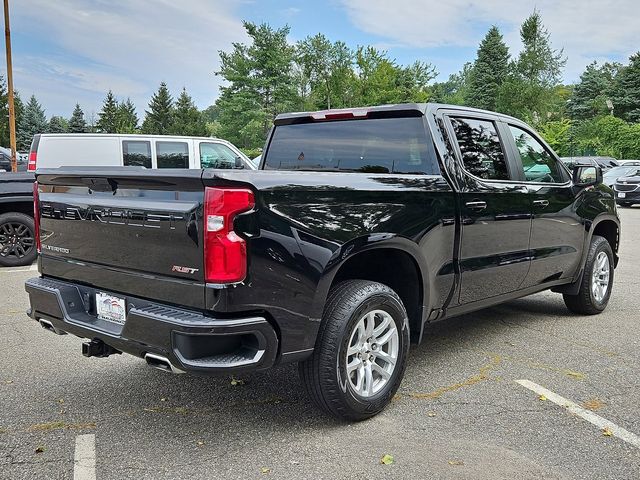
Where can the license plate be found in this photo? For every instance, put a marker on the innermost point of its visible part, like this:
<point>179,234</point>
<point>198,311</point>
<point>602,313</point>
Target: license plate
<point>622,195</point>
<point>110,308</point>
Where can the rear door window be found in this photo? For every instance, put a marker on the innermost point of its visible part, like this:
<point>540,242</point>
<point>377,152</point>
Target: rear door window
<point>482,153</point>
<point>217,155</point>
<point>136,153</point>
<point>375,145</point>
<point>172,154</point>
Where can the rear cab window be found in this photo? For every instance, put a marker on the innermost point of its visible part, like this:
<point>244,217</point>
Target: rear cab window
<point>172,154</point>
<point>373,145</point>
<point>136,153</point>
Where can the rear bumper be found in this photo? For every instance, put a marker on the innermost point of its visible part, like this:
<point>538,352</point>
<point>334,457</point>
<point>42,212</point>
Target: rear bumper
<point>190,340</point>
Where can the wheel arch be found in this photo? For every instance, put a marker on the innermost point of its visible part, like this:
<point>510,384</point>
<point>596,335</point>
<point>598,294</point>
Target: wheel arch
<point>396,262</point>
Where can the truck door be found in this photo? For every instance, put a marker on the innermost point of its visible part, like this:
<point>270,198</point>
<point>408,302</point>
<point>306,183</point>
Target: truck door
<point>495,211</point>
<point>557,232</point>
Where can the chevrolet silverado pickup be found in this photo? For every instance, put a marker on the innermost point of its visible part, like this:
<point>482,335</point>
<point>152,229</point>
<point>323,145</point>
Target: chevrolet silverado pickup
<point>360,227</point>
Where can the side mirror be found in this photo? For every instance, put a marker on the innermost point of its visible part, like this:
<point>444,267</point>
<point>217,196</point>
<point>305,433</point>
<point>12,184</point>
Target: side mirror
<point>586,175</point>
<point>239,165</point>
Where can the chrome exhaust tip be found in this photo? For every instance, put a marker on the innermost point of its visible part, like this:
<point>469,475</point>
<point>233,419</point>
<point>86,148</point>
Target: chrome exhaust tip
<point>47,325</point>
<point>161,363</point>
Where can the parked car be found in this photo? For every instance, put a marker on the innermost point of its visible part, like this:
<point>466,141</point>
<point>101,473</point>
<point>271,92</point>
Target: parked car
<point>5,161</point>
<point>627,163</point>
<point>611,175</point>
<point>149,151</point>
<point>364,226</point>
<point>604,162</point>
<point>17,230</point>
<point>627,188</point>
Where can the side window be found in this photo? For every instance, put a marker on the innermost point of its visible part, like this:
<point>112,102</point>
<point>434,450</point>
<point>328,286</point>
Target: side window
<point>482,152</point>
<point>136,153</point>
<point>538,164</point>
<point>172,154</point>
<point>216,155</point>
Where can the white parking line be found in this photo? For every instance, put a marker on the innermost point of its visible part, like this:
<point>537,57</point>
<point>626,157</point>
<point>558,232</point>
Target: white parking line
<point>587,415</point>
<point>84,459</point>
<point>31,268</point>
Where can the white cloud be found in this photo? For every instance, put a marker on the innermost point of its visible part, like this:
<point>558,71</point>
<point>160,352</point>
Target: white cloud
<point>126,46</point>
<point>587,29</point>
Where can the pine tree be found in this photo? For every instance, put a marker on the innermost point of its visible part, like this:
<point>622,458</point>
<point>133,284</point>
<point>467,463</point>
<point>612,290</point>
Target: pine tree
<point>126,118</point>
<point>590,94</point>
<point>187,118</point>
<point>490,70</point>
<point>529,91</point>
<point>33,121</point>
<point>107,121</point>
<point>58,125</point>
<point>159,117</point>
<point>626,101</point>
<point>77,123</point>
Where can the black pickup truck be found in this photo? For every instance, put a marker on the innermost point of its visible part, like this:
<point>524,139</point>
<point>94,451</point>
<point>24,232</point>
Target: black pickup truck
<point>17,238</point>
<point>360,227</point>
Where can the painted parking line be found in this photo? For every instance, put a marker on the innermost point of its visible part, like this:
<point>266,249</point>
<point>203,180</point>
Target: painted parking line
<point>31,268</point>
<point>588,415</point>
<point>84,459</point>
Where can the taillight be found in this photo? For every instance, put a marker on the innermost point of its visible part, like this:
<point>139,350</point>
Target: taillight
<point>36,215</point>
<point>33,158</point>
<point>225,253</point>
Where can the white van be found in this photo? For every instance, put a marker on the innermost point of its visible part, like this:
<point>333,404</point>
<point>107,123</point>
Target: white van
<point>51,150</point>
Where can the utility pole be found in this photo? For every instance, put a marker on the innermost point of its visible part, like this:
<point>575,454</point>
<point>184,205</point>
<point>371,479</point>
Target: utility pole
<point>12,110</point>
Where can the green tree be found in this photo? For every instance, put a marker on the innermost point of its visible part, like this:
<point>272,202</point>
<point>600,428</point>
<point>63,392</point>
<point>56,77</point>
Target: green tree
<point>557,133</point>
<point>126,117</point>
<point>626,99</point>
<point>108,116</point>
<point>58,124</point>
<point>77,123</point>
<point>33,121</point>
<point>528,93</point>
<point>159,117</point>
<point>454,91</point>
<point>4,112</point>
<point>490,70</point>
<point>187,118</point>
<point>259,85</point>
<point>590,94</point>
<point>327,68</point>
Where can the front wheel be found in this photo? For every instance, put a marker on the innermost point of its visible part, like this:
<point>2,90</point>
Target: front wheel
<point>361,351</point>
<point>597,280</point>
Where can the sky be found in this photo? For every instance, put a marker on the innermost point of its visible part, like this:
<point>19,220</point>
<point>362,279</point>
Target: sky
<point>73,51</point>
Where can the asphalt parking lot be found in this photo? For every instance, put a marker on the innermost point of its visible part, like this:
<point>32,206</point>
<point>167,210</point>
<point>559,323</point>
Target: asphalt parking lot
<point>460,411</point>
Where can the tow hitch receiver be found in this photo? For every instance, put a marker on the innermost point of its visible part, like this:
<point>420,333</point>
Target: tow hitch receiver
<point>97,348</point>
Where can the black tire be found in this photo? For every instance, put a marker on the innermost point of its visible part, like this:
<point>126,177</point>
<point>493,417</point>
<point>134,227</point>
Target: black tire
<point>584,302</point>
<point>324,373</point>
<point>23,252</point>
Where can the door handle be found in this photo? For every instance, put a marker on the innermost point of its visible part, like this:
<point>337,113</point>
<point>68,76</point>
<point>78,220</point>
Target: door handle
<point>476,206</point>
<point>541,203</point>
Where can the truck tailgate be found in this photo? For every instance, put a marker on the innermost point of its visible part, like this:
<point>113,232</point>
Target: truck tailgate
<point>127,230</point>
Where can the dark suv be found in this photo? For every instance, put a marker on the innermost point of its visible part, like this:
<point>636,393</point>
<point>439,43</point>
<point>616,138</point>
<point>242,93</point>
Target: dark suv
<point>627,188</point>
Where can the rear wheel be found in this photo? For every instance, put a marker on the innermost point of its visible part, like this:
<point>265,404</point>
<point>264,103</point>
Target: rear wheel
<point>597,280</point>
<point>17,240</point>
<point>361,351</point>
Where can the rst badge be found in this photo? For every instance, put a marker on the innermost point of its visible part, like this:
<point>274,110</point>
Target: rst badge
<point>179,269</point>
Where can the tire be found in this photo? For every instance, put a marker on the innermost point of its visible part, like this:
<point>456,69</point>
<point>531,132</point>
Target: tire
<point>324,374</point>
<point>624,204</point>
<point>20,227</point>
<point>586,302</point>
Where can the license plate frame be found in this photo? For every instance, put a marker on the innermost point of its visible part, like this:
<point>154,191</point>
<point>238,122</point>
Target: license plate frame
<point>111,308</point>
<point>621,195</point>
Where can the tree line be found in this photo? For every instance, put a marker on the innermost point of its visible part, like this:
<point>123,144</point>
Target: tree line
<point>599,114</point>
